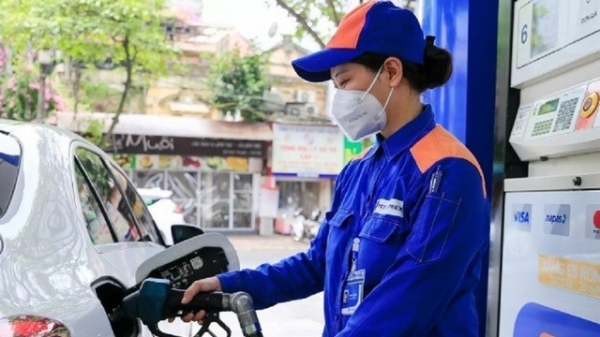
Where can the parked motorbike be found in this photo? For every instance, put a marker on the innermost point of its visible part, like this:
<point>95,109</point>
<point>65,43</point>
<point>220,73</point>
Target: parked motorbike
<point>304,228</point>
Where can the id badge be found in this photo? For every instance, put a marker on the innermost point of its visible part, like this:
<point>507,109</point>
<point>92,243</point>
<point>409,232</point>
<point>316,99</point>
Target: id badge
<point>353,292</point>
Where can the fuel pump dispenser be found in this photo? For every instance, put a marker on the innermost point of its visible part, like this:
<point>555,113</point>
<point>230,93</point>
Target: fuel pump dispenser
<point>550,267</point>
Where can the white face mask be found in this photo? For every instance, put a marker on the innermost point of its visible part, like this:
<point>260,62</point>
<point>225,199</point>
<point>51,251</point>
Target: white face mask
<point>359,114</point>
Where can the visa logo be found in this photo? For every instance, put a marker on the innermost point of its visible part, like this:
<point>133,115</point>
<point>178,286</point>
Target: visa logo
<point>522,217</point>
<point>556,219</point>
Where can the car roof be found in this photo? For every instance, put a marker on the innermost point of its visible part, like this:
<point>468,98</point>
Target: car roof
<point>8,126</point>
<point>35,134</point>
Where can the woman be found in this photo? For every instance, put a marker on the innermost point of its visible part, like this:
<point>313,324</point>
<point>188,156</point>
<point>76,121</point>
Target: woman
<point>400,252</point>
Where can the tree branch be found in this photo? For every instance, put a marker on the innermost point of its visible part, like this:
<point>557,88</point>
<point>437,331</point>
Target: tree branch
<point>335,16</point>
<point>134,56</point>
<point>302,21</point>
<point>76,86</point>
<point>128,81</point>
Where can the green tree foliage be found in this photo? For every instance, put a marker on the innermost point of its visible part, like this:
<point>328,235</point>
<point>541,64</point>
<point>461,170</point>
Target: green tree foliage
<point>318,18</point>
<point>238,83</point>
<point>124,34</point>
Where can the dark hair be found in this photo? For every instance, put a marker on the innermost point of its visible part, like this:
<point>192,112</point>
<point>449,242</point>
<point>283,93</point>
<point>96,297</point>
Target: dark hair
<point>434,73</point>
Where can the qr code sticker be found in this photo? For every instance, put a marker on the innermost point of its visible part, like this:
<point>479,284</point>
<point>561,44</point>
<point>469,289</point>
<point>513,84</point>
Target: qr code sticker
<point>566,112</point>
<point>196,262</point>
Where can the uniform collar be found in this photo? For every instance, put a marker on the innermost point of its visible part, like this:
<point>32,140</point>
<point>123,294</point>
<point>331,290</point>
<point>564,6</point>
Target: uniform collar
<point>407,135</point>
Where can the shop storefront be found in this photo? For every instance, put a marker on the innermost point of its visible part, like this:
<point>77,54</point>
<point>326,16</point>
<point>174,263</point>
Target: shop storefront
<point>215,176</point>
<point>305,161</point>
<point>214,180</point>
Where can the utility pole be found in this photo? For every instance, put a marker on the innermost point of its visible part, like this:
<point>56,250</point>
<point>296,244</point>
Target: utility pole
<point>45,59</point>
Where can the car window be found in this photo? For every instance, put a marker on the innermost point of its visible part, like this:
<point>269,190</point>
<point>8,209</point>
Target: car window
<point>10,160</point>
<point>96,224</point>
<point>140,211</point>
<point>109,191</point>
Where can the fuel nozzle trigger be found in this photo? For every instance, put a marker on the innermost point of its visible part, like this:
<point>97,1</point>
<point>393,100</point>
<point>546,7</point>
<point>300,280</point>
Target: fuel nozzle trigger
<point>212,317</point>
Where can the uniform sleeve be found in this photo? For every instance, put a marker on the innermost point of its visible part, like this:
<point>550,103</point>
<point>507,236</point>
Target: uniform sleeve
<point>448,236</point>
<point>295,277</point>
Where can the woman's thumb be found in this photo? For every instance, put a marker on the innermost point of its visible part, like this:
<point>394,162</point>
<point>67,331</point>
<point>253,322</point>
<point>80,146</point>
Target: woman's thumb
<point>192,291</point>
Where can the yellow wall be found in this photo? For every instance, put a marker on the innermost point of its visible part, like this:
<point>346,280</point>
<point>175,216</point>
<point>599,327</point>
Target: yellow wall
<point>286,81</point>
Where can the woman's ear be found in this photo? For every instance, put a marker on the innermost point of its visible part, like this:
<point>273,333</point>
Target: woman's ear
<point>392,71</point>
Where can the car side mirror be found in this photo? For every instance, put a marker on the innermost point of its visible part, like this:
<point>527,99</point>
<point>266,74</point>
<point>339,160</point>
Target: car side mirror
<point>183,232</point>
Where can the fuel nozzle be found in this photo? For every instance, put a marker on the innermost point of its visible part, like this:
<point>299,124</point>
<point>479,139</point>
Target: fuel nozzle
<point>156,300</point>
<point>117,315</point>
<point>243,306</point>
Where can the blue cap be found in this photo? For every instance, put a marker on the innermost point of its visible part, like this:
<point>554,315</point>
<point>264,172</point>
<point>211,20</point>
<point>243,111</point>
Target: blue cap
<point>378,27</point>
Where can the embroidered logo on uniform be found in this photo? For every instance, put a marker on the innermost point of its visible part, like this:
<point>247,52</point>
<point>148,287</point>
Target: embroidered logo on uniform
<point>393,207</point>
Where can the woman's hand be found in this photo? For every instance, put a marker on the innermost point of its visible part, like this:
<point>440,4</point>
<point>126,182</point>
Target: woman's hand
<point>204,285</point>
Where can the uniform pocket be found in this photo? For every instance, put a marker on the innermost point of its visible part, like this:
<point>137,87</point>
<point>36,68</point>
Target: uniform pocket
<point>380,229</point>
<point>340,218</point>
<point>381,240</point>
<point>339,234</point>
<point>432,228</point>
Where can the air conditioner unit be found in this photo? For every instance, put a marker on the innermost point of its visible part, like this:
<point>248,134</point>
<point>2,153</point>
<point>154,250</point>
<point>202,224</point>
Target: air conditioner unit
<point>301,110</point>
<point>311,110</point>
<point>293,110</point>
<point>306,96</point>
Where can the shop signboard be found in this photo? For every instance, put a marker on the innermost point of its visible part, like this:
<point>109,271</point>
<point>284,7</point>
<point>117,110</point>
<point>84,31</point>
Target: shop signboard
<point>187,146</point>
<point>182,163</point>
<point>307,150</point>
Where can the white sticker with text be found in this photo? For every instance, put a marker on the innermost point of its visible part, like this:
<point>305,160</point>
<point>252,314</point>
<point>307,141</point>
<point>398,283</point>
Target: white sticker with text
<point>392,207</point>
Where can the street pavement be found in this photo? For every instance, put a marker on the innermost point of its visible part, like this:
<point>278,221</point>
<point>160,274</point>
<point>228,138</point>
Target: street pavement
<point>302,318</point>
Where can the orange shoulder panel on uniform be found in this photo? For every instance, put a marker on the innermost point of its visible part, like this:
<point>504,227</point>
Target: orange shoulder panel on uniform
<point>439,144</point>
<point>362,154</point>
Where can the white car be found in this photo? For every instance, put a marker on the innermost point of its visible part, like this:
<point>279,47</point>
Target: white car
<point>163,209</point>
<point>73,232</point>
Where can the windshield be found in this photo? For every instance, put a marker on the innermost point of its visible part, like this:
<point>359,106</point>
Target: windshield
<point>10,160</point>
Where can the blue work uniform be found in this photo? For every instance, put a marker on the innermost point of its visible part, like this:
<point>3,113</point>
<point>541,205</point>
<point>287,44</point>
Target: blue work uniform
<point>415,208</point>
